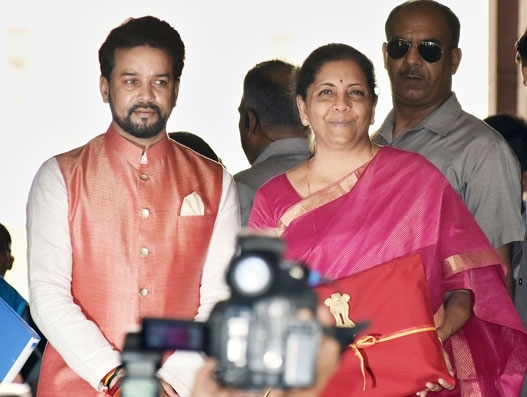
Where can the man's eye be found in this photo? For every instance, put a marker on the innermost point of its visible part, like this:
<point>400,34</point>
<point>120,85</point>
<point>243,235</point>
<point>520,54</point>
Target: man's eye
<point>161,82</point>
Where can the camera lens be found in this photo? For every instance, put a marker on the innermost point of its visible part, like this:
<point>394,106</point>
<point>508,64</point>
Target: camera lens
<point>251,276</point>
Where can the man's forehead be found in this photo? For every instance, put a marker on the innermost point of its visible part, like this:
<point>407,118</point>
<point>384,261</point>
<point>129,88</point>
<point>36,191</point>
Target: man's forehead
<point>424,22</point>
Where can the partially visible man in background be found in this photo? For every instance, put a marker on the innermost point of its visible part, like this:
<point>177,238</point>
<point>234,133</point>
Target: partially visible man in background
<point>272,136</point>
<point>421,54</point>
<point>30,371</point>
<point>520,293</point>
<point>7,291</point>
<point>521,55</point>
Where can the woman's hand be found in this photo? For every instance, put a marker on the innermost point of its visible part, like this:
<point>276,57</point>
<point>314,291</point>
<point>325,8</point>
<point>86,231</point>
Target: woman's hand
<point>441,383</point>
<point>458,309</point>
<point>435,387</point>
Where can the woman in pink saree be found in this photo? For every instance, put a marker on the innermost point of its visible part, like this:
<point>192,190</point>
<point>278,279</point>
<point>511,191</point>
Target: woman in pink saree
<point>356,205</point>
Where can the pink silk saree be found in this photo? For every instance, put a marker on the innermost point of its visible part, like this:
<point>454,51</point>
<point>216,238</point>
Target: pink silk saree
<point>396,205</point>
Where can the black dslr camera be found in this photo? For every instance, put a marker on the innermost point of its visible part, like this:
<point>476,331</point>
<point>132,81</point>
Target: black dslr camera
<point>265,335</point>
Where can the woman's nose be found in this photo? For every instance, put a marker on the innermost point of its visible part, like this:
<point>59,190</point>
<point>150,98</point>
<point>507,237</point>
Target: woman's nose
<point>342,103</point>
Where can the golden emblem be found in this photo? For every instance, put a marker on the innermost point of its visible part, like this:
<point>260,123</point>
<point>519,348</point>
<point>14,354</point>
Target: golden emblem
<point>339,307</point>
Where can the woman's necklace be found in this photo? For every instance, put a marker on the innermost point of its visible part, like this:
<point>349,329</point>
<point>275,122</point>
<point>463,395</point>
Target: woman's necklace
<point>309,166</point>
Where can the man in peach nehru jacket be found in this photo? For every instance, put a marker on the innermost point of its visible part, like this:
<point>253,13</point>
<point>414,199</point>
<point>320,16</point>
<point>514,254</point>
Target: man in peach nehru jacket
<point>130,225</point>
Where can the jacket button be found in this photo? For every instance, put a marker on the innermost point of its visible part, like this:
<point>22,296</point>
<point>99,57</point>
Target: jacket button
<point>145,213</point>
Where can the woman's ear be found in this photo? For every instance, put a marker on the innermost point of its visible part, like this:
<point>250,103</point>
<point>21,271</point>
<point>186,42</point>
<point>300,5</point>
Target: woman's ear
<point>373,107</point>
<point>302,111</point>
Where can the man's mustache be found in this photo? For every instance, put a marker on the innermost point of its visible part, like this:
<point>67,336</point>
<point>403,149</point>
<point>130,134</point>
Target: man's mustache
<point>144,105</point>
<point>411,73</point>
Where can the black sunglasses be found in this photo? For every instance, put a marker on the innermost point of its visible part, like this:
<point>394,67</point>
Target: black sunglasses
<point>428,50</point>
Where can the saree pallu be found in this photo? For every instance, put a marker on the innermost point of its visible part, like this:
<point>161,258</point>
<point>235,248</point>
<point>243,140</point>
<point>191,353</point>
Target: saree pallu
<point>397,205</point>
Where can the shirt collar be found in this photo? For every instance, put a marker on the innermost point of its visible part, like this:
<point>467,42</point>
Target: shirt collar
<point>133,153</point>
<point>286,145</point>
<point>439,121</point>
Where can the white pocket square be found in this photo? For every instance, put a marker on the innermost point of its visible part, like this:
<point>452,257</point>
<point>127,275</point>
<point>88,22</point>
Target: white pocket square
<point>192,205</point>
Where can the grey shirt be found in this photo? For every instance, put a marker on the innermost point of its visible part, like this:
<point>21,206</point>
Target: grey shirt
<point>278,157</point>
<point>479,163</point>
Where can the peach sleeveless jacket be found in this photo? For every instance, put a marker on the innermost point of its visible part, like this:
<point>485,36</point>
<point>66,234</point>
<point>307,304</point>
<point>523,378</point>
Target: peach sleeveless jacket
<point>133,254</point>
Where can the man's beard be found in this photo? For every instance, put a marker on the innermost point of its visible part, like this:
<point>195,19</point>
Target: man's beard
<point>141,130</point>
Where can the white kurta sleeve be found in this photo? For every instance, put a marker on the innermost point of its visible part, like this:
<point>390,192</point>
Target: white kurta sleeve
<point>77,339</point>
<point>180,368</point>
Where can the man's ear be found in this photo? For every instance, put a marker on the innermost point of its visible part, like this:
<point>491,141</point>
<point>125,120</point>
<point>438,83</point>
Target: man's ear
<point>176,93</point>
<point>246,119</point>
<point>385,55</point>
<point>10,261</point>
<point>250,120</point>
<point>104,87</point>
<point>456,59</point>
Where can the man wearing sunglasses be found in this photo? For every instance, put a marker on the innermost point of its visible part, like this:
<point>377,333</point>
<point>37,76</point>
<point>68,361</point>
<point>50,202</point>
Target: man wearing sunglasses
<point>421,55</point>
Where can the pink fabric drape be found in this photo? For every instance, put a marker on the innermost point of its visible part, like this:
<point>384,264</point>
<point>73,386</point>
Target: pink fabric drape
<point>396,205</point>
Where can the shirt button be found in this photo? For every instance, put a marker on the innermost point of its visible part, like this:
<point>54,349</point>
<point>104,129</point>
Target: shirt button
<point>143,292</point>
<point>520,281</point>
<point>143,177</point>
<point>144,251</point>
<point>145,213</point>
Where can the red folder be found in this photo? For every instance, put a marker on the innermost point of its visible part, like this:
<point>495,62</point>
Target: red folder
<point>400,351</point>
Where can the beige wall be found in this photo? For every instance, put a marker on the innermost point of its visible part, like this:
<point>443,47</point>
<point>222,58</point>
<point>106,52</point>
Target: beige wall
<point>48,60</point>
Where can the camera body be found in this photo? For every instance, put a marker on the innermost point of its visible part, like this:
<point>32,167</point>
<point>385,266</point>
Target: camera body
<point>265,335</point>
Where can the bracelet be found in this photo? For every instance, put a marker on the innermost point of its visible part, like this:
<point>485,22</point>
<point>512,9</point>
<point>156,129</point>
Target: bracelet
<point>110,376</point>
<point>114,389</point>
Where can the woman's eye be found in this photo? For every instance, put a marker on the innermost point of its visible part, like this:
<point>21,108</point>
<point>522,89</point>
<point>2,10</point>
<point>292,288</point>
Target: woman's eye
<point>357,93</point>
